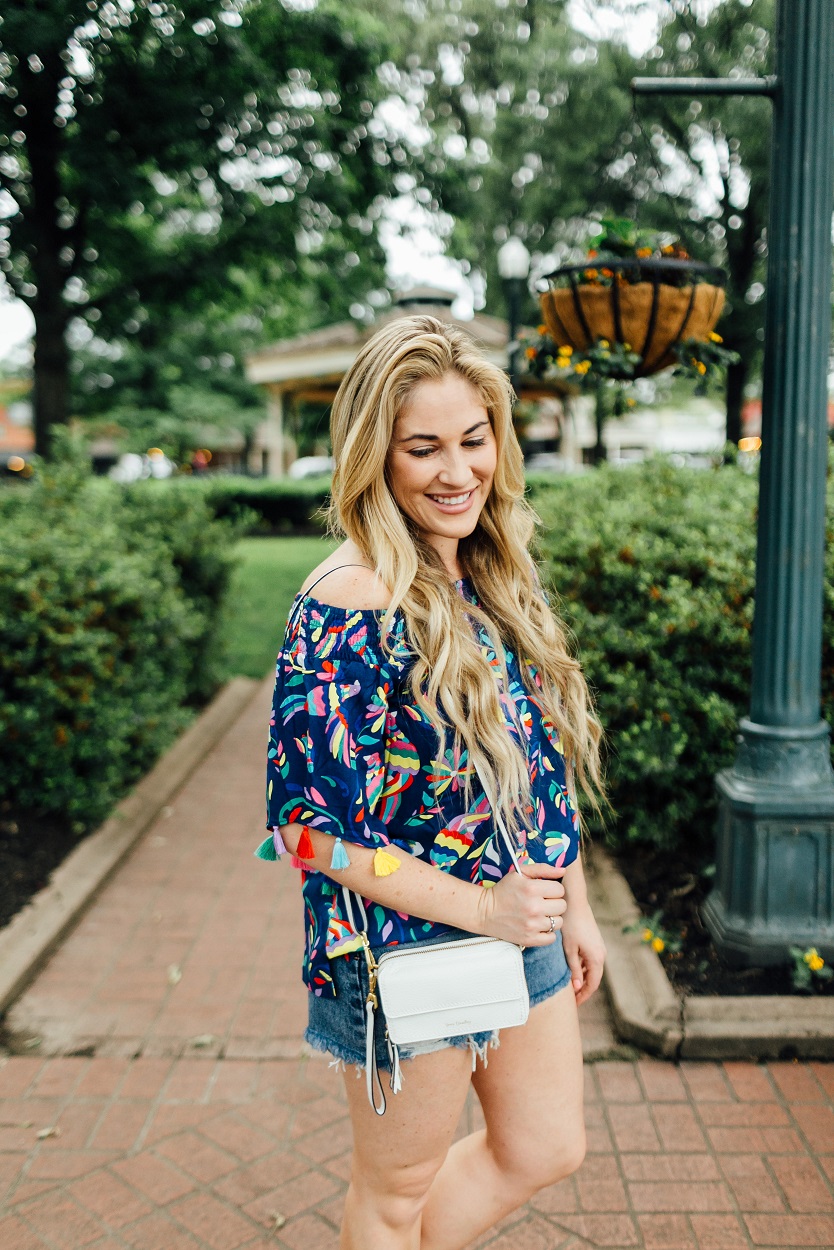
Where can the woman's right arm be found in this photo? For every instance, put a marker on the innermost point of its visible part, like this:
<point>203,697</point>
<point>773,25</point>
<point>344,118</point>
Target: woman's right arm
<point>516,909</point>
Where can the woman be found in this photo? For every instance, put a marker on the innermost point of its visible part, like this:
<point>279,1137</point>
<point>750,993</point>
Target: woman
<point>419,657</point>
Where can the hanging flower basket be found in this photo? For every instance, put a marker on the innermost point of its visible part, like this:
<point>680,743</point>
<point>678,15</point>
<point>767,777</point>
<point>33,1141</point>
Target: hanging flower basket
<point>648,305</point>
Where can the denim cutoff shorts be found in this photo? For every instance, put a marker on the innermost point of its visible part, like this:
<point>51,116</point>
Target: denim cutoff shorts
<point>337,1025</point>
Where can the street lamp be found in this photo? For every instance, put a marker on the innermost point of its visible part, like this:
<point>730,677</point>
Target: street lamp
<point>775,855</point>
<point>513,267</point>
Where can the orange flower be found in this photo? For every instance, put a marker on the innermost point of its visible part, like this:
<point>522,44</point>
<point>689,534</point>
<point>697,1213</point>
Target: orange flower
<point>592,251</point>
<point>643,252</point>
<point>608,273</point>
<point>541,330</point>
<point>530,353</point>
<point>592,273</point>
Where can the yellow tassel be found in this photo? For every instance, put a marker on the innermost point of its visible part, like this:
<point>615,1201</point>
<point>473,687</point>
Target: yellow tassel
<point>385,863</point>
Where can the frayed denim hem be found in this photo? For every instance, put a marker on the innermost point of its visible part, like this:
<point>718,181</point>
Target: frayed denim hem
<point>325,1046</point>
<point>343,1057</point>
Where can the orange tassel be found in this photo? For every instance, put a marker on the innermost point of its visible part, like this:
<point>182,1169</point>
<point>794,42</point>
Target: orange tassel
<point>305,846</point>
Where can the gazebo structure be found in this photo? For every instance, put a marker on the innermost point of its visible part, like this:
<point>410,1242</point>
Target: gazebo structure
<point>308,368</point>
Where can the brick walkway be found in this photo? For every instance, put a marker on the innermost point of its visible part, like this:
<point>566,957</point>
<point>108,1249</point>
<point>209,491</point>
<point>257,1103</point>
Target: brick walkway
<point>163,1100</point>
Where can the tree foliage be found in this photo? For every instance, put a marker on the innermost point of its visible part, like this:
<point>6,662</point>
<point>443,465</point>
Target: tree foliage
<point>534,131</point>
<point>163,156</point>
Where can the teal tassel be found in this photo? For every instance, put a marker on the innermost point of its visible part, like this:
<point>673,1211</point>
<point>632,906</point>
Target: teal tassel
<point>267,849</point>
<point>340,856</point>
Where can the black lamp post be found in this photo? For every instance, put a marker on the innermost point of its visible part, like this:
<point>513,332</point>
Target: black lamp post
<point>513,266</point>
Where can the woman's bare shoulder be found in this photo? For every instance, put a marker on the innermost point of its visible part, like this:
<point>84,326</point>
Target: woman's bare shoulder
<point>347,582</point>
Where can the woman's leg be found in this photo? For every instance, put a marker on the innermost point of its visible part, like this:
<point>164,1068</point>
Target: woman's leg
<point>531,1094</point>
<point>397,1156</point>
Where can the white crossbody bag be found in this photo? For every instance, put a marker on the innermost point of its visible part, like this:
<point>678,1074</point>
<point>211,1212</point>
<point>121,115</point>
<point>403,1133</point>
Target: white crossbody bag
<point>472,985</point>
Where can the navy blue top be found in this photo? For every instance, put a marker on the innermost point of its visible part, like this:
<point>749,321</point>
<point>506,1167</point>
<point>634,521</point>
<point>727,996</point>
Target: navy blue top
<point>350,754</point>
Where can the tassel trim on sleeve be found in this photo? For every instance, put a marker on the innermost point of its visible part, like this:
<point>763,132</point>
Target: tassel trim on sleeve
<point>305,846</point>
<point>385,863</point>
<point>267,849</point>
<point>340,857</point>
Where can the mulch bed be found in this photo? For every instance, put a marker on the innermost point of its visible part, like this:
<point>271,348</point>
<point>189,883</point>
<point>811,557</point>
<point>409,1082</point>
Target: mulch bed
<point>31,848</point>
<point>676,884</point>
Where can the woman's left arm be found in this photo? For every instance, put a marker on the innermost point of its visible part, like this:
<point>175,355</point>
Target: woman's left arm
<point>581,938</point>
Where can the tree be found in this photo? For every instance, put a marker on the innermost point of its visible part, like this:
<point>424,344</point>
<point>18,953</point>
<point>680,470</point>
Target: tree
<point>153,155</point>
<point>717,145</point>
<point>534,131</point>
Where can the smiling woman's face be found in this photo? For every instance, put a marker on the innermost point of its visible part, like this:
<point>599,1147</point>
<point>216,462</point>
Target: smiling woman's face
<point>441,462</point>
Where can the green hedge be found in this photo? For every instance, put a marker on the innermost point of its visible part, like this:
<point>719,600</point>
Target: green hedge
<point>109,603</point>
<point>269,506</point>
<point>653,569</point>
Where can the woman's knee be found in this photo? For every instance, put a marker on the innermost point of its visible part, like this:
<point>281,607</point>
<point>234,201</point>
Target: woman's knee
<point>536,1162</point>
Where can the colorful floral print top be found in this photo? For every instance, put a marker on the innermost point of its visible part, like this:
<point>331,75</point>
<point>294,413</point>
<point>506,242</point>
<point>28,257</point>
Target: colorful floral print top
<point>350,754</point>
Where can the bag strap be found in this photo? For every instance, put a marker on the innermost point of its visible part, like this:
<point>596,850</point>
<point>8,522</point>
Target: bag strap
<point>376,1094</point>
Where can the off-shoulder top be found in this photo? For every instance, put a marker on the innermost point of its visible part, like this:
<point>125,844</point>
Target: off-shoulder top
<point>350,754</point>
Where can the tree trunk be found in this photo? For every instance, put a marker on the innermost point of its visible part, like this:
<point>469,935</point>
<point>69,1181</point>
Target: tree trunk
<point>50,265</point>
<point>600,413</point>
<point>51,373</point>
<point>736,382</point>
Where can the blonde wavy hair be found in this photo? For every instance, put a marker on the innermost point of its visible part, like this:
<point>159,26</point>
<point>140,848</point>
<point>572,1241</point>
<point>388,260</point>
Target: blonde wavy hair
<point>450,671</point>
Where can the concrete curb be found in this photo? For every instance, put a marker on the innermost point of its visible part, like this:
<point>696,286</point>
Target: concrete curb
<point>33,934</point>
<point>647,1011</point>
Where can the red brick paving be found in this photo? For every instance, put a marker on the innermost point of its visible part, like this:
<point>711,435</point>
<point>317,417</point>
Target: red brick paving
<point>202,1124</point>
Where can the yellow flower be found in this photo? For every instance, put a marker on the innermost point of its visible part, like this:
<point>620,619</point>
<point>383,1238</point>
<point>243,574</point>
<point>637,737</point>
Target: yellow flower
<point>701,367</point>
<point>647,935</point>
<point>816,963</point>
<point>627,346</point>
<point>582,367</point>
<point>811,954</point>
<point>658,944</point>
<point>566,350</point>
<point>715,338</point>
<point>604,343</point>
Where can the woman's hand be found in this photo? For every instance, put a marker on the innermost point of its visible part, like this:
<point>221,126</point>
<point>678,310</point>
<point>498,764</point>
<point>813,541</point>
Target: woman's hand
<point>584,948</point>
<point>519,907</point>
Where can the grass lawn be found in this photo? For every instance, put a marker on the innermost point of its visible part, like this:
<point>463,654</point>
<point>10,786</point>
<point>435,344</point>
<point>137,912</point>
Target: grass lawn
<point>268,574</point>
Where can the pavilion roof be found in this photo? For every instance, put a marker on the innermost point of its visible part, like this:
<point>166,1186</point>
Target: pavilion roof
<point>312,365</point>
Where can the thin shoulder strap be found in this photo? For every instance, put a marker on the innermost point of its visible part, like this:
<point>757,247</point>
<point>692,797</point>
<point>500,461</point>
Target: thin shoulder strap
<point>335,570</point>
<point>301,597</point>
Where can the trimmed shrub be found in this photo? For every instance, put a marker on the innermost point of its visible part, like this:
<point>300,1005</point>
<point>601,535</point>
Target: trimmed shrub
<point>269,506</point>
<point>652,568</point>
<point>182,526</point>
<point>108,610</point>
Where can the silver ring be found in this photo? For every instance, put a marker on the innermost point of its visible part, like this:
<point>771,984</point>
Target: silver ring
<point>552,920</point>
